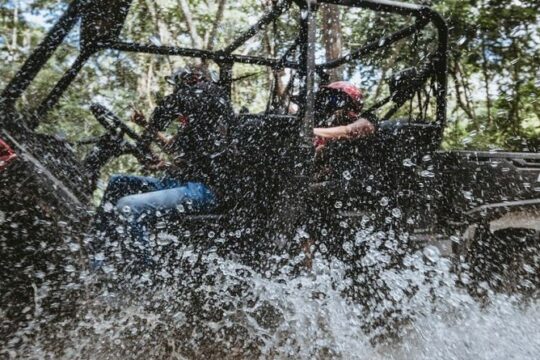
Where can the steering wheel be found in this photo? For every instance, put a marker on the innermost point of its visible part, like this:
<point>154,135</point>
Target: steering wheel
<point>116,127</point>
<point>113,123</point>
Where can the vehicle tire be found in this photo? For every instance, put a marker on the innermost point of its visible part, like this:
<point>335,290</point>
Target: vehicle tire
<point>504,260</point>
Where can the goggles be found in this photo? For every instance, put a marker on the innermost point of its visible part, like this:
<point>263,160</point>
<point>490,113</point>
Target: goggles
<point>190,77</point>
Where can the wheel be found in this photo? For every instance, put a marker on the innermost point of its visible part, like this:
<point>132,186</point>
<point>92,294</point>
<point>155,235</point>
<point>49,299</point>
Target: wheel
<point>504,255</point>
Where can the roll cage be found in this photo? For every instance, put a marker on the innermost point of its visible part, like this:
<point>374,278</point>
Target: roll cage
<point>102,22</point>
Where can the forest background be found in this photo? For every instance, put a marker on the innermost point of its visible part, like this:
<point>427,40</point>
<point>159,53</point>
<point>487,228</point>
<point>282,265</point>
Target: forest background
<point>494,67</point>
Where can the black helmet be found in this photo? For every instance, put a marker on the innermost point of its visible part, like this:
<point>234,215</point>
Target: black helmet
<point>191,75</point>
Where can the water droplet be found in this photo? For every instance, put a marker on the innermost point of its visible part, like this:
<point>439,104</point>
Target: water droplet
<point>347,175</point>
<point>432,253</point>
<point>338,205</point>
<point>427,174</point>
<point>384,201</point>
<point>74,247</point>
<point>408,163</point>
<point>164,239</point>
<point>528,268</point>
<point>468,195</point>
<point>107,207</point>
<point>396,213</point>
<point>108,269</point>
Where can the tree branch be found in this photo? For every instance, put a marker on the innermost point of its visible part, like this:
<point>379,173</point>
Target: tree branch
<point>331,34</point>
<point>217,21</point>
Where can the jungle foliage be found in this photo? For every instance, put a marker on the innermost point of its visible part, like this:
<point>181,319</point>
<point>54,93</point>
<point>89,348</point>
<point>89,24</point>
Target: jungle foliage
<point>494,72</point>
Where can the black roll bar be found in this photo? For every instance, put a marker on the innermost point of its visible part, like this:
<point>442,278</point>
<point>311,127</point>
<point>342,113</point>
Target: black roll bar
<point>41,55</point>
<point>424,13</point>
<point>225,58</point>
<point>217,56</point>
<point>62,84</point>
<point>375,45</point>
<point>273,14</point>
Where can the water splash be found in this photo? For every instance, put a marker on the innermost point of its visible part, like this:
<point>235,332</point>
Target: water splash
<point>224,309</point>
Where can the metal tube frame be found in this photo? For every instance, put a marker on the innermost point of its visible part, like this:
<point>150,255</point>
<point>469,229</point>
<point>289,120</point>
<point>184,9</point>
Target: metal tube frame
<point>31,67</point>
<point>225,57</point>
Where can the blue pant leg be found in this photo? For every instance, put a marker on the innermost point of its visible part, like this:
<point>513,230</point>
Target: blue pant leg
<point>140,209</point>
<point>203,198</point>
<point>106,221</point>
<point>122,185</point>
<point>196,195</point>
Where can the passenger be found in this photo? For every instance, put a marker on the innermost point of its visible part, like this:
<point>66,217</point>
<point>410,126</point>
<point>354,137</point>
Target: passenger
<point>337,117</point>
<point>338,107</point>
<point>194,180</point>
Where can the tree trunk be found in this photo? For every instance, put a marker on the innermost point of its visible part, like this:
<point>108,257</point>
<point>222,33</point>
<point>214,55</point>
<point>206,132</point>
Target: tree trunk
<point>15,25</point>
<point>485,74</point>
<point>165,35</point>
<point>459,77</point>
<point>215,26</point>
<point>332,37</point>
<point>513,114</point>
<point>466,109</point>
<point>195,38</point>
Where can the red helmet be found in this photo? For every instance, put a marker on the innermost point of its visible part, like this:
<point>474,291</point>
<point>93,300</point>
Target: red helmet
<point>6,155</point>
<point>339,95</point>
<point>355,94</point>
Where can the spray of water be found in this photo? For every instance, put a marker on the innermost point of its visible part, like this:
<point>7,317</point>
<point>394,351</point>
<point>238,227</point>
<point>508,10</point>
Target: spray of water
<point>223,309</point>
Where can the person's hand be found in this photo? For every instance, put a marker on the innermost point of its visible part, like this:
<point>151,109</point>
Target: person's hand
<point>138,118</point>
<point>158,165</point>
<point>360,128</point>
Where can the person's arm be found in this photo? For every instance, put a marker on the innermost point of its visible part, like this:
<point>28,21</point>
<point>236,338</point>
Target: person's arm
<point>357,129</point>
<point>139,119</point>
<point>163,139</point>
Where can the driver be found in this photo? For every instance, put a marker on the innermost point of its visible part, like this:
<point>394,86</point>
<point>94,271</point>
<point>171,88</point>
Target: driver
<point>194,179</point>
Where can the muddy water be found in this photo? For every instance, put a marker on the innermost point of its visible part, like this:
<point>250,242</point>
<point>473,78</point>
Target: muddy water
<point>227,310</point>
